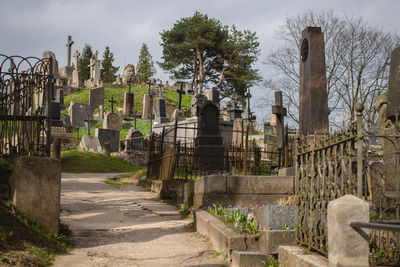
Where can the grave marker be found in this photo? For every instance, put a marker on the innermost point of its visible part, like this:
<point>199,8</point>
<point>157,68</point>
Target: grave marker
<point>68,45</point>
<point>79,112</point>
<point>112,121</point>
<point>108,135</point>
<point>393,99</point>
<point>96,97</point>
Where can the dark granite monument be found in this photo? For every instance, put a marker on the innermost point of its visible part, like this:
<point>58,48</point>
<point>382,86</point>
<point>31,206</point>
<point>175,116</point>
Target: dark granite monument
<point>161,114</point>
<point>135,140</point>
<point>96,97</point>
<point>313,111</point>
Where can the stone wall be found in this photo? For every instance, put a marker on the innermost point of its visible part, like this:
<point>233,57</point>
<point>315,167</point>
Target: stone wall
<point>137,158</point>
<point>35,189</point>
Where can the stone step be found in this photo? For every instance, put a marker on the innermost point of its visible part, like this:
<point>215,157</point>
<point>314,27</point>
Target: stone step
<point>250,259</point>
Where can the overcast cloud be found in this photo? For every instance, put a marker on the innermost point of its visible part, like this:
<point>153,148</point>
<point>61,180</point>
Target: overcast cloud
<point>28,28</point>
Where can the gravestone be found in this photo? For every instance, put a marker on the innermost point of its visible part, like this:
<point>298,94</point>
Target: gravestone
<point>75,72</point>
<point>247,113</point>
<point>79,112</point>
<point>90,143</point>
<point>101,111</point>
<point>96,97</point>
<point>129,104</point>
<point>197,101</point>
<point>112,121</point>
<point>313,106</point>
<point>161,114</point>
<point>128,74</point>
<point>147,106</point>
<point>135,140</point>
<point>68,45</point>
<point>66,120</point>
<point>279,111</point>
<point>107,135</point>
<point>213,95</point>
<point>50,54</point>
<point>237,135</point>
<point>55,110</point>
<point>208,142</point>
<point>60,97</point>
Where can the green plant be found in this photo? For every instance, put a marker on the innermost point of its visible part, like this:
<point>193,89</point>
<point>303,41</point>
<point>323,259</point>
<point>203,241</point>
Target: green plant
<point>285,227</point>
<point>272,263</point>
<point>184,210</point>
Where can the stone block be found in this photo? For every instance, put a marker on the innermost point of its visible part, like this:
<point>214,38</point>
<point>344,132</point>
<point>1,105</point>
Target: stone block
<point>96,97</point>
<point>91,143</point>
<point>107,135</point>
<point>112,121</point>
<point>260,185</point>
<point>35,189</point>
<point>273,217</point>
<point>286,171</point>
<point>188,192</point>
<point>249,259</point>
<point>212,184</point>
<point>79,112</point>
<point>270,240</point>
<point>293,256</point>
<point>346,246</point>
<point>241,200</point>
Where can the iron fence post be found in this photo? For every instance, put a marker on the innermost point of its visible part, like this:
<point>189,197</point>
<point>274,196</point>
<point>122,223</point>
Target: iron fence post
<point>359,109</point>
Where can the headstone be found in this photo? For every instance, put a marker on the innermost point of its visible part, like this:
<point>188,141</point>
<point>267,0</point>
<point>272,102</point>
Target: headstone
<point>60,97</point>
<point>273,217</point>
<point>313,110</point>
<point>107,135</point>
<point>96,97</point>
<point>128,74</point>
<point>213,95</point>
<point>66,120</point>
<point>79,112</point>
<point>101,111</point>
<point>112,121</point>
<point>75,72</point>
<point>247,113</point>
<point>279,111</point>
<point>209,143</point>
<point>161,114</point>
<point>91,143</point>
<point>118,80</point>
<point>68,45</point>
<point>393,99</point>
<point>50,54</point>
<point>135,140</point>
<point>347,247</point>
<point>94,80</point>
<point>129,102</point>
<point>197,101</point>
<point>147,106</point>
<point>178,115</point>
<point>55,110</point>
<point>237,135</point>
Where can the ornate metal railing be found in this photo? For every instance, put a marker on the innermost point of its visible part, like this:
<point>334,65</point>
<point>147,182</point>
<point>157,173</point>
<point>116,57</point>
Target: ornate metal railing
<point>26,85</point>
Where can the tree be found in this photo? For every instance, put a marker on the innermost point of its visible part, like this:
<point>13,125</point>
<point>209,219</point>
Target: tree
<point>357,63</point>
<point>204,51</point>
<point>108,71</point>
<point>83,63</point>
<point>145,66</point>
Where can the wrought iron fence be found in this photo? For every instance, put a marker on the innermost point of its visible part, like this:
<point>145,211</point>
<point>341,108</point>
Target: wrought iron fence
<point>26,86</point>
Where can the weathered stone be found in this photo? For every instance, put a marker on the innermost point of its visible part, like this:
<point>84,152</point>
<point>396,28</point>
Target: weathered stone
<point>50,54</point>
<point>135,140</point>
<point>137,158</point>
<point>96,97</point>
<point>55,110</point>
<point>91,143</point>
<point>249,259</point>
<point>128,73</point>
<point>286,171</point>
<point>101,111</point>
<point>211,184</point>
<point>270,240</point>
<point>35,189</point>
<point>129,104</point>
<point>68,45</point>
<point>393,98</point>
<point>161,115</point>
<point>280,112</point>
<point>147,106</point>
<point>274,217</point>
<point>75,72</point>
<point>60,96</point>
<point>313,110</point>
<point>346,246</point>
<point>126,125</point>
<point>237,138</point>
<point>291,256</point>
<point>196,102</point>
<point>213,95</point>
<point>178,115</point>
<point>107,135</point>
<point>79,112</point>
<point>112,121</point>
<point>260,184</point>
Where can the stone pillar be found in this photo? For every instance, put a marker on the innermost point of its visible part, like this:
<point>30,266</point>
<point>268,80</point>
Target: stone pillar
<point>393,99</point>
<point>178,115</point>
<point>129,104</point>
<point>161,115</point>
<point>56,148</point>
<point>346,246</point>
<point>313,110</point>
<point>147,106</point>
<point>68,45</point>
<point>101,111</point>
<point>279,111</point>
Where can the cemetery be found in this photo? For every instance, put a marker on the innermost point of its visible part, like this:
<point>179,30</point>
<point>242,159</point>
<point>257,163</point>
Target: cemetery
<point>97,162</point>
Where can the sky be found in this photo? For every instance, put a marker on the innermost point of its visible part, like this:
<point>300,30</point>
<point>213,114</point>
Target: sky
<point>27,28</point>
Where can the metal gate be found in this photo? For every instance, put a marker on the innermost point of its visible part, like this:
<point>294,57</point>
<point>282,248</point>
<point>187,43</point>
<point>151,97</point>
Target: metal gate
<point>26,86</point>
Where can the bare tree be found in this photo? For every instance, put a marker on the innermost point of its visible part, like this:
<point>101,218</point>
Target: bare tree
<point>357,63</point>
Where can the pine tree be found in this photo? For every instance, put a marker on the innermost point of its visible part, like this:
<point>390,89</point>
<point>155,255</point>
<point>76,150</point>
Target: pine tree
<point>145,66</point>
<point>83,63</point>
<point>108,71</point>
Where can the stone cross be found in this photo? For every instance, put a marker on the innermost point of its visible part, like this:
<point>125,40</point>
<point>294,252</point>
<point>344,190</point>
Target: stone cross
<point>95,54</point>
<point>248,96</point>
<point>112,101</point>
<point>279,112</point>
<point>150,82</point>
<point>88,124</point>
<point>180,92</point>
<point>68,45</point>
<point>160,85</point>
<point>313,96</point>
<point>76,55</point>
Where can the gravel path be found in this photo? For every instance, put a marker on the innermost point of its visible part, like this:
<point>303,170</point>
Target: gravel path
<point>126,226</point>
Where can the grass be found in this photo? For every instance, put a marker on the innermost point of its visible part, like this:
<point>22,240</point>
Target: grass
<point>25,243</point>
<point>74,161</point>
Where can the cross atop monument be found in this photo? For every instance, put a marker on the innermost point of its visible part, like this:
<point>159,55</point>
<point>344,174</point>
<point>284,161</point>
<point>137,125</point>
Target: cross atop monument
<point>88,124</point>
<point>150,82</point>
<point>180,92</point>
<point>160,85</point>
<point>248,96</point>
<point>76,55</point>
<point>112,101</point>
<point>68,45</point>
<point>279,112</point>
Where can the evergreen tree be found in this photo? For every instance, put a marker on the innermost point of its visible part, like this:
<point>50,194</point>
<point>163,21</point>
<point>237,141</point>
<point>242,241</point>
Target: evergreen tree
<point>145,66</point>
<point>108,71</point>
<point>83,63</point>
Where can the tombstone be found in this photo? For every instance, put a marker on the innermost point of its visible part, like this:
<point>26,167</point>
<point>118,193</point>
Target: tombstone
<point>313,106</point>
<point>60,96</point>
<point>237,135</point>
<point>208,142</point>
<point>55,110</point>
<point>94,65</point>
<point>90,143</point>
<point>197,100</point>
<point>178,115</point>
<point>96,97</point>
<point>393,99</point>
<point>50,54</point>
<point>135,140</point>
<point>147,106</point>
<point>213,95</point>
<point>118,80</point>
<point>129,104</point>
<point>75,72</point>
<point>79,112</point>
<point>68,45</point>
<point>101,111</point>
<point>247,113</point>
<point>279,111</point>
<point>66,120</point>
<point>128,74</point>
<point>161,114</point>
<point>112,121</point>
<point>235,113</point>
<point>108,135</point>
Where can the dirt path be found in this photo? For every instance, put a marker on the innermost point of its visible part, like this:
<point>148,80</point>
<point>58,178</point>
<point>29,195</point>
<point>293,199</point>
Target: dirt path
<point>125,226</point>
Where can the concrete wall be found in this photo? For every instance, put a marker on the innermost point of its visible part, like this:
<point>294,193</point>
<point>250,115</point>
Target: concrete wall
<point>35,189</point>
